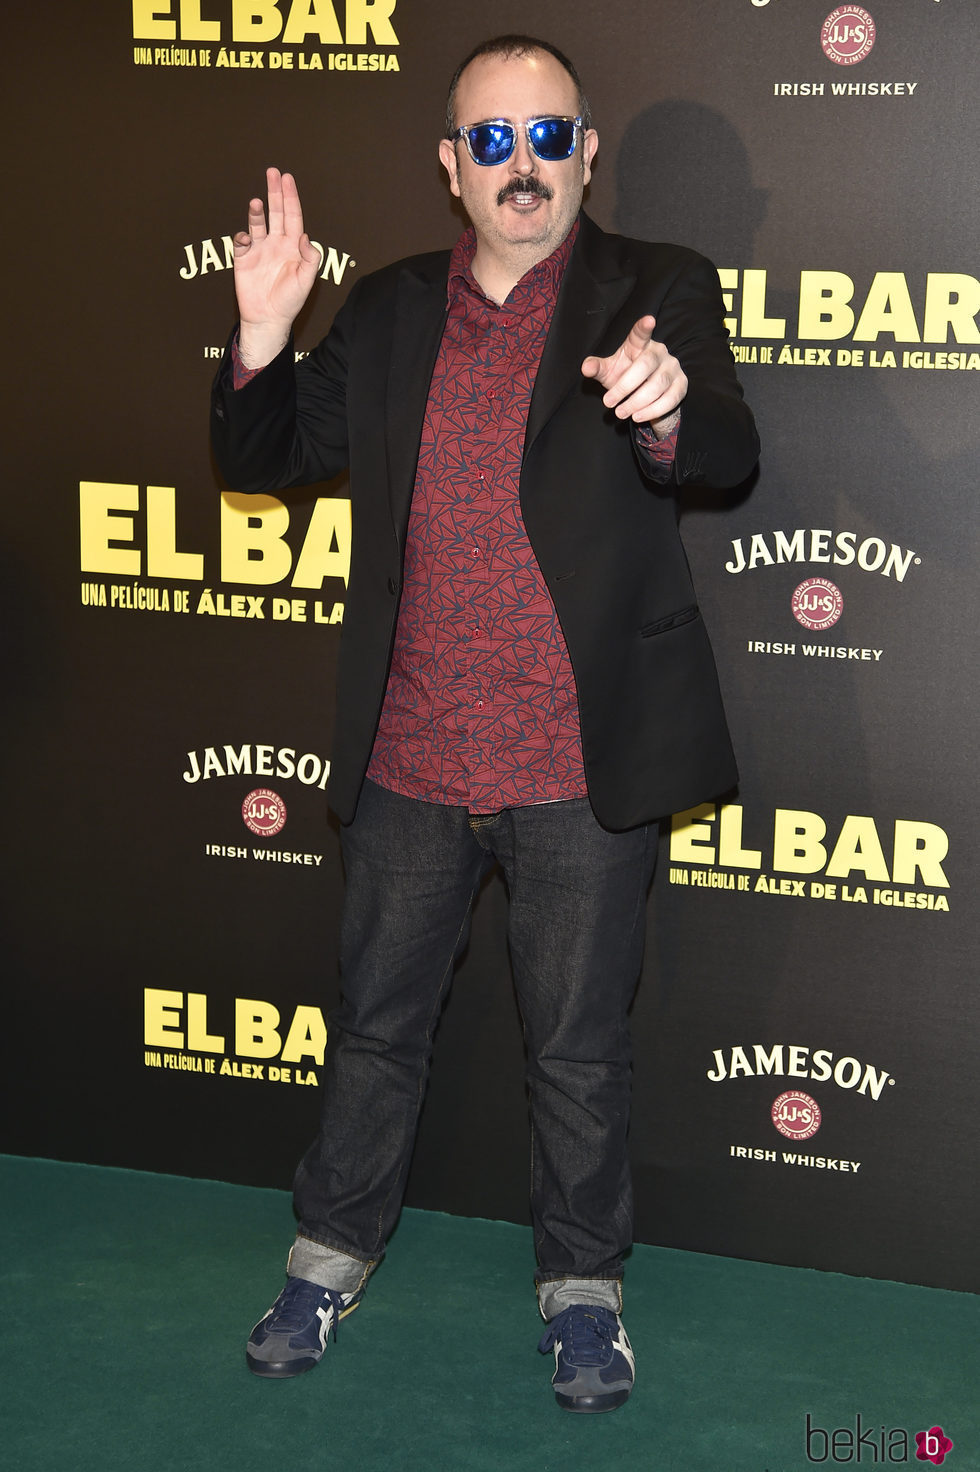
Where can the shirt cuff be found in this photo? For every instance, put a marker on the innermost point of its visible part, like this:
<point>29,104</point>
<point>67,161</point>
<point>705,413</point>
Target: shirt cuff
<point>240,374</point>
<point>659,451</point>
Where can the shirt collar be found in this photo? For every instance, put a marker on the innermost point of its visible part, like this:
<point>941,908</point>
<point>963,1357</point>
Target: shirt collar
<point>548,272</point>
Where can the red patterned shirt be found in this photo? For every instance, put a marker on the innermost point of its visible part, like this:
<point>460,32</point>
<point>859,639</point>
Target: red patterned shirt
<point>480,709</point>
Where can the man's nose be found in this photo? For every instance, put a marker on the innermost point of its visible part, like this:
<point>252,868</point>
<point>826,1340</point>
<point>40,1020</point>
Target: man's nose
<point>523,160</point>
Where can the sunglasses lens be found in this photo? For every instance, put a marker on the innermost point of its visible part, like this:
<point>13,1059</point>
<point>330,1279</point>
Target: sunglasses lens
<point>553,138</point>
<point>491,143</point>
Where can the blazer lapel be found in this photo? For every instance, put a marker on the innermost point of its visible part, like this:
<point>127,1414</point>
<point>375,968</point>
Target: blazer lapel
<point>592,292</point>
<point>420,315</point>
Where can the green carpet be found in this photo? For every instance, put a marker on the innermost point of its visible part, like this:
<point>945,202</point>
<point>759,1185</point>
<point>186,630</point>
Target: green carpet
<point>128,1298</point>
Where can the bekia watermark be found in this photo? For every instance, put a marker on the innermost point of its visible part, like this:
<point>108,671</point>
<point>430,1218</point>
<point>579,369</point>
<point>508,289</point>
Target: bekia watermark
<point>874,1444</point>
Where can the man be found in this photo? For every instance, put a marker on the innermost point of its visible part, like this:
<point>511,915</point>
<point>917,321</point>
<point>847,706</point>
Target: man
<point>525,678</point>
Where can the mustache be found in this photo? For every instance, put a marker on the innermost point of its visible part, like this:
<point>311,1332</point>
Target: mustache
<point>531,185</point>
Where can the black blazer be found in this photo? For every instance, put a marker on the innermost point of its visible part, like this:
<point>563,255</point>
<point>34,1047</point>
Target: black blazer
<point>602,521</point>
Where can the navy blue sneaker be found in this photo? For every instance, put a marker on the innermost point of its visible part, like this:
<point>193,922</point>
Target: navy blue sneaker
<point>593,1358</point>
<point>293,1335</point>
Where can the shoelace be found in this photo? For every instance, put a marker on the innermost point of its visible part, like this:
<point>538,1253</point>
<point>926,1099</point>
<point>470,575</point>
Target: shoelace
<point>585,1337</point>
<point>300,1301</point>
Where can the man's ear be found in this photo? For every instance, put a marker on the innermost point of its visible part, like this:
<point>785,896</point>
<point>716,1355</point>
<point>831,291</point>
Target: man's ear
<point>447,157</point>
<point>590,142</point>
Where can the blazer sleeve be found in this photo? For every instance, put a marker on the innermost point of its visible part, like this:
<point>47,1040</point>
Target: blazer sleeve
<point>717,442</point>
<point>288,425</point>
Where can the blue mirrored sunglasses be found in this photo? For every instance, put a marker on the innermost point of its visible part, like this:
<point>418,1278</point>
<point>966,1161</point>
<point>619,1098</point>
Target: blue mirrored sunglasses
<point>552,139</point>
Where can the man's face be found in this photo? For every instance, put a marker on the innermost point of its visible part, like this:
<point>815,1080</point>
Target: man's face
<point>525,202</point>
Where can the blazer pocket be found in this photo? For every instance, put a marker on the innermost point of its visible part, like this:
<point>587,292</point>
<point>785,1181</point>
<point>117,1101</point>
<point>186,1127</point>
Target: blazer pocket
<point>671,621</point>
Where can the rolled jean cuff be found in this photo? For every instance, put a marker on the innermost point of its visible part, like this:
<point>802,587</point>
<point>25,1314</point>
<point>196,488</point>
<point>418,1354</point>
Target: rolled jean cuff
<point>326,1266</point>
<point>556,1294</point>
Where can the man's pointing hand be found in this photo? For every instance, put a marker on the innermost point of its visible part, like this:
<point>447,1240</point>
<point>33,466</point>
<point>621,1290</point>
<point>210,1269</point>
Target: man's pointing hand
<point>642,380</point>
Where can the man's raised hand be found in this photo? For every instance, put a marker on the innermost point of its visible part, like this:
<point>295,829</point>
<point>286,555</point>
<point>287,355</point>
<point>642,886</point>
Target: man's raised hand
<point>275,268</point>
<point>642,380</point>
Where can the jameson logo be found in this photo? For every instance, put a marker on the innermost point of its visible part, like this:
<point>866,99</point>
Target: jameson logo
<point>219,255</point>
<point>871,554</point>
<point>791,1060</point>
<point>257,761</point>
<point>874,1444</point>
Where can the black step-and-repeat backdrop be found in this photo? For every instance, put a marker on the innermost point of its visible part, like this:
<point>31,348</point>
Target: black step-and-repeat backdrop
<point>806,1026</point>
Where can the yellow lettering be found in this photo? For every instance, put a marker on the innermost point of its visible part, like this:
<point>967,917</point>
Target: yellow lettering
<point>98,526</point>
<point>253,524</point>
<point>148,22</point>
<point>326,547</point>
<point>888,309</point>
<point>858,847</point>
<point>824,296</point>
<point>796,847</point>
<point>728,276</point>
<point>374,13</point>
<point>312,18</point>
<point>192,27</point>
<point>162,558</point>
<point>689,835</point>
<point>255,1029</point>
<point>198,1037</point>
<point>755,323</point>
<point>307,1036</point>
<point>255,20</point>
<point>161,1018</point>
<point>730,850</point>
<point>952,300</point>
<point>921,846</point>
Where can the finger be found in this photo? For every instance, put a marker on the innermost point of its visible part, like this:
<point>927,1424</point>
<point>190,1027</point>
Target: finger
<point>309,252</point>
<point>256,220</point>
<point>606,370</point>
<point>292,209</point>
<point>636,341</point>
<point>630,376</point>
<point>639,335</point>
<point>654,399</point>
<point>273,182</point>
<point>241,242</point>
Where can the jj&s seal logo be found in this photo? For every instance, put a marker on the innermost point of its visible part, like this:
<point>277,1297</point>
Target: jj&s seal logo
<point>796,1115</point>
<point>847,35</point>
<point>264,812</point>
<point>817,603</point>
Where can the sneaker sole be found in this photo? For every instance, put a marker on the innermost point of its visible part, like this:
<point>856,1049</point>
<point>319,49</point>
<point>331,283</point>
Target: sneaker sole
<point>279,1369</point>
<point>592,1404</point>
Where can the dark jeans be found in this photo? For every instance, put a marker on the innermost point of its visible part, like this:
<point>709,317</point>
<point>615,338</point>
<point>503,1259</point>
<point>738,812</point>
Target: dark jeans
<point>576,921</point>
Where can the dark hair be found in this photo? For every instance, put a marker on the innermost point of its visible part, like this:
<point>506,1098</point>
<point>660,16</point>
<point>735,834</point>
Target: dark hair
<point>507,46</point>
